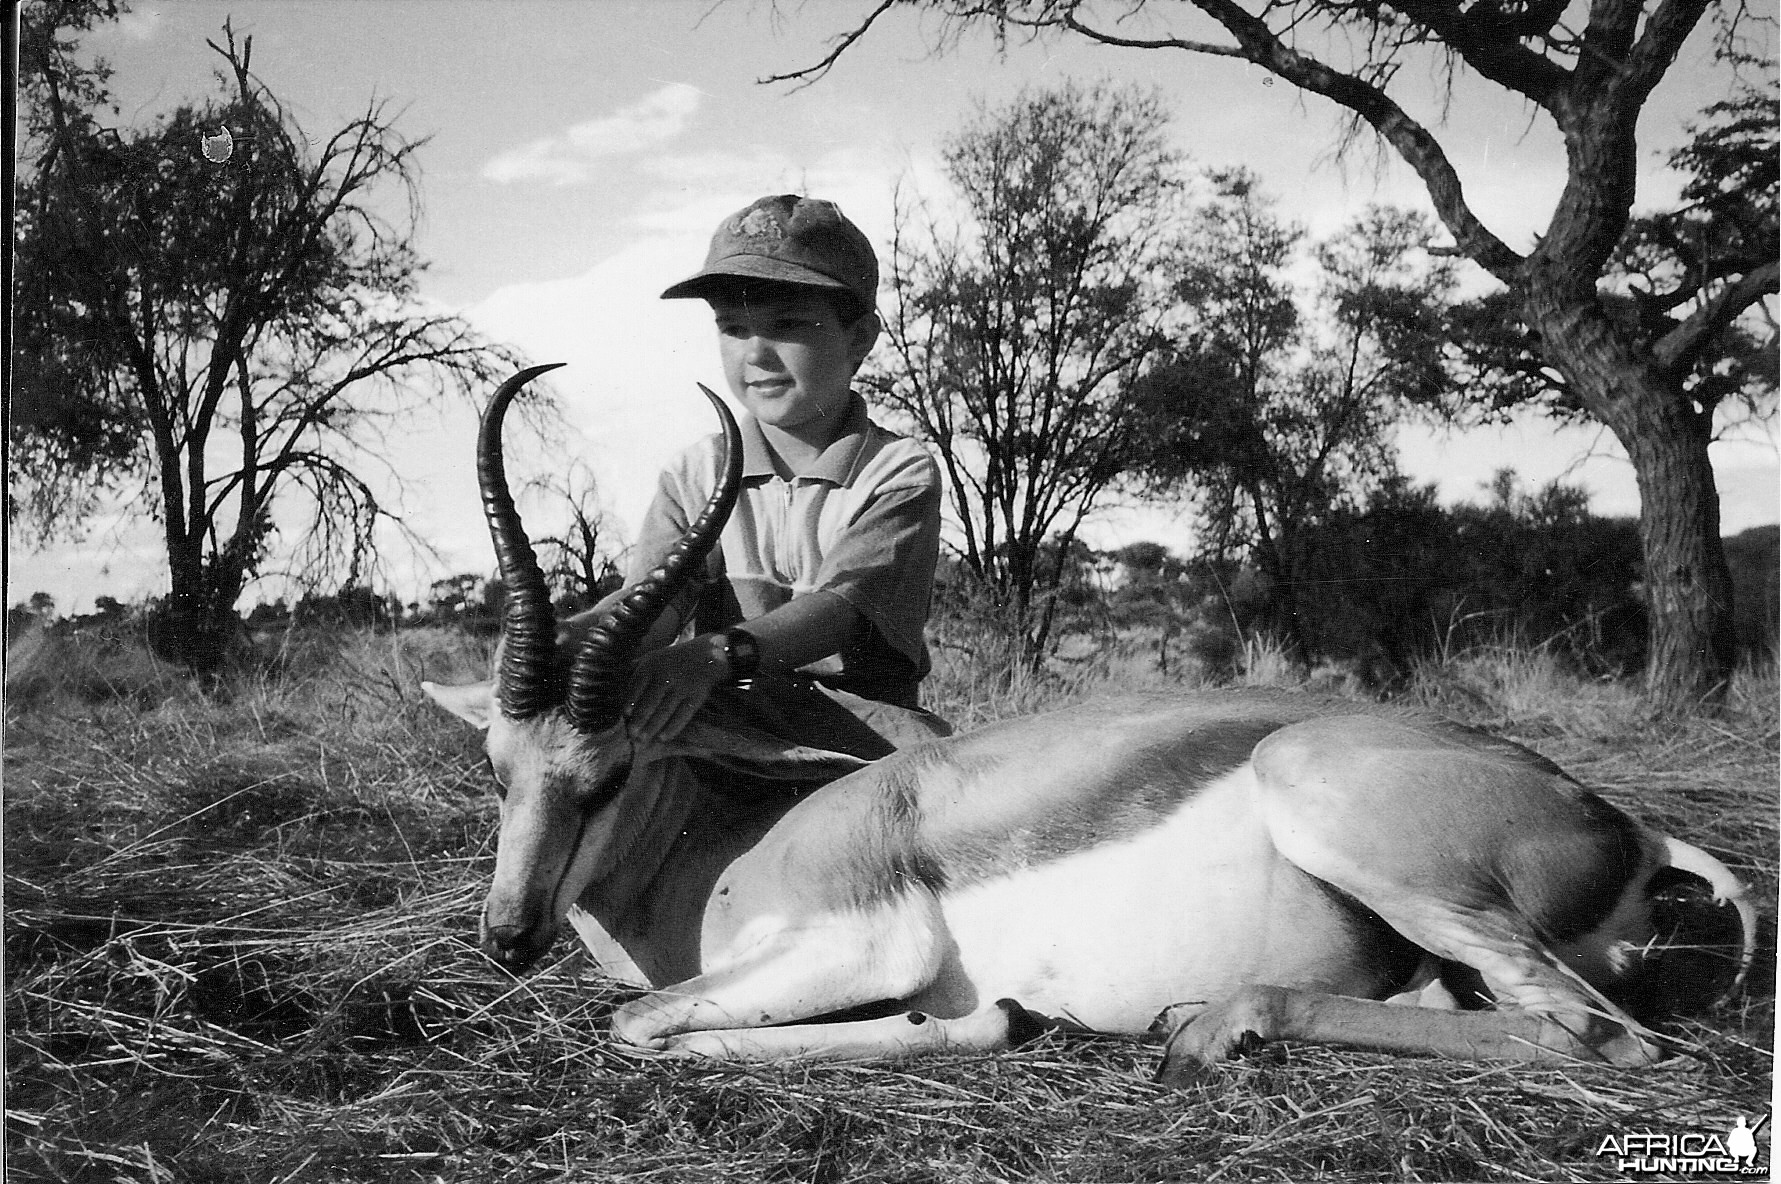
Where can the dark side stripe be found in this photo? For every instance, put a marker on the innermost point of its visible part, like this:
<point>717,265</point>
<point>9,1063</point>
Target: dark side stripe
<point>1149,772</point>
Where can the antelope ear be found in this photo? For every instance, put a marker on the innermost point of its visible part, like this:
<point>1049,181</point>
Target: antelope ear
<point>474,703</point>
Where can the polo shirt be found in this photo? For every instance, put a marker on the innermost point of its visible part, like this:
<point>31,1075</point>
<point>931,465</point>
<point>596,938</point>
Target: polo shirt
<point>862,523</point>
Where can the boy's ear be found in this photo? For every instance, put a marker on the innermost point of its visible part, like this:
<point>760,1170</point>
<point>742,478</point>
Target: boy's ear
<point>862,335</point>
<point>475,703</point>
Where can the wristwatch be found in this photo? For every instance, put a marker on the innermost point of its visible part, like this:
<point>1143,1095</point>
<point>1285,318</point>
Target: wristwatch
<point>742,654</point>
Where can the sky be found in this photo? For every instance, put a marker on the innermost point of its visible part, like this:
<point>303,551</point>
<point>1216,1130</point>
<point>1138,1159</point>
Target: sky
<point>579,155</point>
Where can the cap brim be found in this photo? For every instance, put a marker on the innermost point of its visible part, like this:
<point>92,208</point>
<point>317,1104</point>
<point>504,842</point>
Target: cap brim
<point>749,267</point>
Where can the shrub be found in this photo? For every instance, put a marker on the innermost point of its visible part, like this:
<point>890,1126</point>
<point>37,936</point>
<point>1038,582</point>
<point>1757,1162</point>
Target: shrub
<point>48,665</point>
<point>1403,579</point>
<point>1755,559</point>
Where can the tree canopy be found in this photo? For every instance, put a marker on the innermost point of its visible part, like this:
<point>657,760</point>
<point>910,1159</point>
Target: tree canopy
<point>1590,72</point>
<point>1276,407</point>
<point>221,311</point>
<point>1015,331</point>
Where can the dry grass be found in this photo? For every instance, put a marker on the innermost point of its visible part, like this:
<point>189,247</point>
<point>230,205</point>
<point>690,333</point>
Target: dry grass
<point>239,939</point>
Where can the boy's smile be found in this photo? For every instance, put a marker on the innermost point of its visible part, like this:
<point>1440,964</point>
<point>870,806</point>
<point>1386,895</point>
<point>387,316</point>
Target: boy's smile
<point>791,362</point>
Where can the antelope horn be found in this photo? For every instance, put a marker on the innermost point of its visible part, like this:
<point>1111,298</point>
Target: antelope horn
<point>529,629</point>
<point>600,677</point>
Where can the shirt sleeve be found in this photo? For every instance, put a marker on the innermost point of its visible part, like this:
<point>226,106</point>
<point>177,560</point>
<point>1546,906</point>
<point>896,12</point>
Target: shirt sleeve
<point>883,562</point>
<point>664,524</point>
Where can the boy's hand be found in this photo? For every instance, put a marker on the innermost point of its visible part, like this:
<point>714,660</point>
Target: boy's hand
<point>671,684</point>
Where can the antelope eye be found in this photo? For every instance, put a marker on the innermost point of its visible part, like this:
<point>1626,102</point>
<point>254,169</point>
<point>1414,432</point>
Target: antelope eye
<point>495,776</point>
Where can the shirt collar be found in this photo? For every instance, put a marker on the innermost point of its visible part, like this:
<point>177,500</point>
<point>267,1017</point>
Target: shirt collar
<point>838,461</point>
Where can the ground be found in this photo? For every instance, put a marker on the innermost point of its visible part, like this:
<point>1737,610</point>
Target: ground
<point>240,947</point>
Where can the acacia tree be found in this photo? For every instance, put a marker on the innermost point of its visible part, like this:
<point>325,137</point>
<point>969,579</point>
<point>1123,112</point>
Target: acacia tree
<point>1276,419</point>
<point>218,309</point>
<point>1667,264</point>
<point>578,560</point>
<point>1590,72</point>
<point>69,431</point>
<point>1014,334</point>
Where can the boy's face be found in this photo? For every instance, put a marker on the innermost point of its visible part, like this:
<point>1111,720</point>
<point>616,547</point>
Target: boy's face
<point>790,361</point>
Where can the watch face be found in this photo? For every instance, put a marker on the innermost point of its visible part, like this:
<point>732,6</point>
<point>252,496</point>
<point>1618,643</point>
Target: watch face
<point>742,653</point>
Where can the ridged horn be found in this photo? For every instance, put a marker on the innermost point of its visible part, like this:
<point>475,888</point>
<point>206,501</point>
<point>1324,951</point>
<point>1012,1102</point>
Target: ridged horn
<point>529,627</point>
<point>599,680</point>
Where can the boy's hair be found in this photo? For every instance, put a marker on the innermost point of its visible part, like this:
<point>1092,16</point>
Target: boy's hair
<point>786,240</point>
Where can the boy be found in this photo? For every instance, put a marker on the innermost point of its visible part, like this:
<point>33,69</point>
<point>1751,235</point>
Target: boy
<point>825,570</point>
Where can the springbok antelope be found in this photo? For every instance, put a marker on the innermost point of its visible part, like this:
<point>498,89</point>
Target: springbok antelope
<point>1213,869</point>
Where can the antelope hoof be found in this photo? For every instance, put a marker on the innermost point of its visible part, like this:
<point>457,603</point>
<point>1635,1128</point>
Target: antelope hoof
<point>640,1025</point>
<point>1233,1028</point>
<point>1187,1062</point>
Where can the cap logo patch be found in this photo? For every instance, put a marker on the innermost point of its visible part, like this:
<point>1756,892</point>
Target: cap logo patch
<point>760,224</point>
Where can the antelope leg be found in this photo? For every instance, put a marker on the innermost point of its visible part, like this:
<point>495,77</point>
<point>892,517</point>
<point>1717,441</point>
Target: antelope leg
<point>988,1029</point>
<point>1260,1013</point>
<point>798,970</point>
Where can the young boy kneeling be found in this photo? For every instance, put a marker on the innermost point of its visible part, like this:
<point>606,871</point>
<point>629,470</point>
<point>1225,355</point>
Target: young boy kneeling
<point>823,577</point>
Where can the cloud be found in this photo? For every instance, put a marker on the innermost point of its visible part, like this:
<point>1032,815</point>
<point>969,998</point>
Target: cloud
<point>699,189</point>
<point>568,157</point>
<point>632,359</point>
<point>141,26</point>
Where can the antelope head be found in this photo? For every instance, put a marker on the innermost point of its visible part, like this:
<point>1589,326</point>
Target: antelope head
<point>553,712</point>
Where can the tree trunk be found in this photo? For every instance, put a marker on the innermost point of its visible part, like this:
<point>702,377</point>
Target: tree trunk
<point>1022,627</point>
<point>1687,584</point>
<point>1282,613</point>
<point>200,628</point>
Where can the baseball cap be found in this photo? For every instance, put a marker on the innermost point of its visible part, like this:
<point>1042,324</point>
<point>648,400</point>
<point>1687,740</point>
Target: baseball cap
<point>790,240</point>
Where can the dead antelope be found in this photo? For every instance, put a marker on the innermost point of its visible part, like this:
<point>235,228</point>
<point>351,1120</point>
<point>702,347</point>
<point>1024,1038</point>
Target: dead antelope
<point>1214,868</point>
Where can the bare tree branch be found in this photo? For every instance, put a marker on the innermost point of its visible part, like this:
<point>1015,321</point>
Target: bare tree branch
<point>1257,43</point>
<point>811,74</point>
<point>1681,347</point>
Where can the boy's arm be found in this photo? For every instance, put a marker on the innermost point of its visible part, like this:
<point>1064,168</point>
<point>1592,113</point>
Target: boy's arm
<point>883,564</point>
<point>879,575</point>
<point>804,629</point>
<point>670,685</point>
